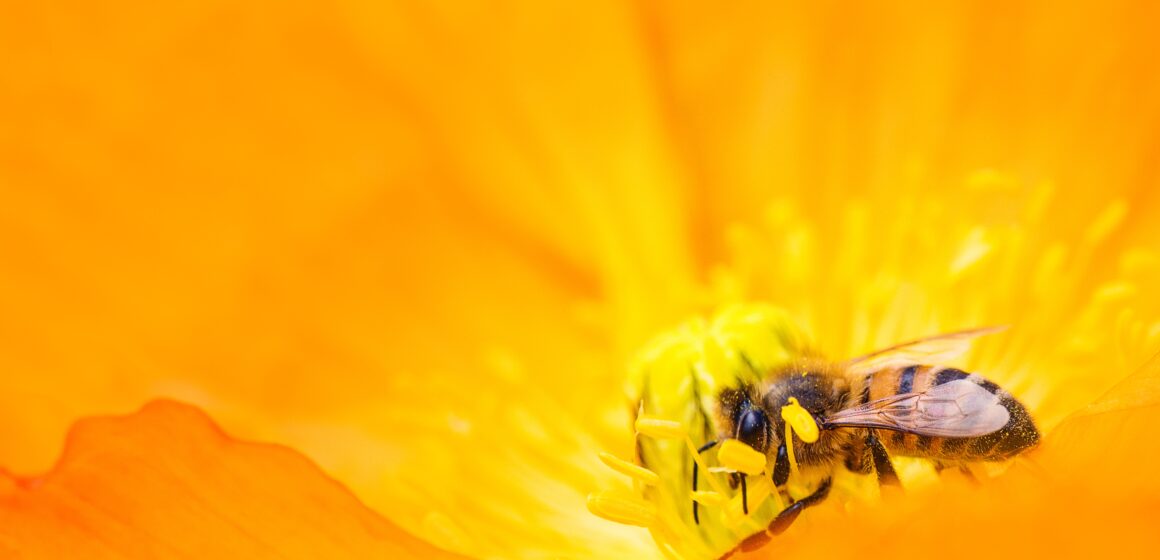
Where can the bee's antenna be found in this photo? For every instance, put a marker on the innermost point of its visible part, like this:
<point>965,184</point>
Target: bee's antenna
<point>703,449</point>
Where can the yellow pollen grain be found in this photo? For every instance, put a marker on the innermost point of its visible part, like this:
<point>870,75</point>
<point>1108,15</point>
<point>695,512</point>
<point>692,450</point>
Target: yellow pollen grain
<point>636,472</point>
<point>707,498</point>
<point>660,428</point>
<point>740,457</point>
<point>622,509</point>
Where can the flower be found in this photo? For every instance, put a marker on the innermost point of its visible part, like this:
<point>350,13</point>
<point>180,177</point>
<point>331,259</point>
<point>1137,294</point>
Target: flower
<point>420,244</point>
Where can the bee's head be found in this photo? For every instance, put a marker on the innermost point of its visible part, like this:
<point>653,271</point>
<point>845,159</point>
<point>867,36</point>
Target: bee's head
<point>754,429</point>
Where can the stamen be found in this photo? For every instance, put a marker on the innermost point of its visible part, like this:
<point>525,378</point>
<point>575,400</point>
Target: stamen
<point>660,428</point>
<point>707,498</point>
<point>793,466</point>
<point>636,472</point>
<point>622,509</point>
<point>740,457</point>
<point>701,465</point>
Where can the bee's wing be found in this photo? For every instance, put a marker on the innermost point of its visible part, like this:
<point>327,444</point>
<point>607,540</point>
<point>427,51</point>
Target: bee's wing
<point>960,408</point>
<point>937,349</point>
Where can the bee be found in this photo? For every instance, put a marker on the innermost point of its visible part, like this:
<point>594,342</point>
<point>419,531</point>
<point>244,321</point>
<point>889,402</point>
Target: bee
<point>864,410</point>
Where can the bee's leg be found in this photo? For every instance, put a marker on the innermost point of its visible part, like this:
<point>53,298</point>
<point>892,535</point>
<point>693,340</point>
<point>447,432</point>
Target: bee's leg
<point>858,457</point>
<point>940,466</point>
<point>886,474</point>
<point>781,467</point>
<point>703,449</point>
<point>967,472</point>
<point>737,480</point>
<point>785,518</point>
<point>744,494</point>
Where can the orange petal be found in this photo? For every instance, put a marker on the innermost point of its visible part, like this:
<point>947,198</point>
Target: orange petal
<point>166,482</point>
<point>1111,442</point>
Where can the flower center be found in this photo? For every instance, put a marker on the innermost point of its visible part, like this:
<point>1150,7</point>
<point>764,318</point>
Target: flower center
<point>699,497</point>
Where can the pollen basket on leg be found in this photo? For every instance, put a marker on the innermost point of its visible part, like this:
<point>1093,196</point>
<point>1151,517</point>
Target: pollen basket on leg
<point>675,384</point>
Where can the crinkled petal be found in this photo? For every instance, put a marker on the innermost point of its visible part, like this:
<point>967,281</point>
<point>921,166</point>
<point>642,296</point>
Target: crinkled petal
<point>166,482</point>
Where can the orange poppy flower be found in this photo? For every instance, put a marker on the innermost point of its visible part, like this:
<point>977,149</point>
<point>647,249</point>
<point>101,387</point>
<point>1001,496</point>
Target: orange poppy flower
<point>421,246</point>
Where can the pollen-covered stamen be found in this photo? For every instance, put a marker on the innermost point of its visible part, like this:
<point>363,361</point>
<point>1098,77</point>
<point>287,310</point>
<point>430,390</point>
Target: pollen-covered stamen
<point>738,456</point>
<point>622,509</point>
<point>707,498</point>
<point>797,420</point>
<point>636,472</point>
<point>793,466</point>
<point>660,428</point>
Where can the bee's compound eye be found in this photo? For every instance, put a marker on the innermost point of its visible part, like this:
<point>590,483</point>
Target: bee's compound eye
<point>753,429</point>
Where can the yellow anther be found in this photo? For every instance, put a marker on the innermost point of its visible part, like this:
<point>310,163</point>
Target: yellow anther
<point>740,457</point>
<point>636,472</point>
<point>660,428</point>
<point>707,498</point>
<point>802,421</point>
<point>622,509</point>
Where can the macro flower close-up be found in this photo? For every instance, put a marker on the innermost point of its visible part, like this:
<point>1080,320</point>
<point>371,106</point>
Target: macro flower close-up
<point>520,280</point>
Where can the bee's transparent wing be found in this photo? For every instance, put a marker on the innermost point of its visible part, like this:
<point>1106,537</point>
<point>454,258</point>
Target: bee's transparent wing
<point>937,349</point>
<point>960,408</point>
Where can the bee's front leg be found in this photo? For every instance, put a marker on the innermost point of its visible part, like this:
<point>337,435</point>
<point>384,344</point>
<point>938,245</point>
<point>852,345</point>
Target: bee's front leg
<point>780,472</point>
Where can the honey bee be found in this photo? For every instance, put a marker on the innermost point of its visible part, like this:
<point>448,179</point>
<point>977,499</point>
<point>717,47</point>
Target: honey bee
<point>863,411</point>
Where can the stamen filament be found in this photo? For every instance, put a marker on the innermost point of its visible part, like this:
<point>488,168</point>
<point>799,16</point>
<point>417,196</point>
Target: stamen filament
<point>701,465</point>
<point>706,498</point>
<point>660,428</point>
<point>634,471</point>
<point>793,466</point>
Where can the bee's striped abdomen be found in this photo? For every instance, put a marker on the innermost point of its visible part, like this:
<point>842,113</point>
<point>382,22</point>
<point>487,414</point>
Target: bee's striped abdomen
<point>1014,437</point>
